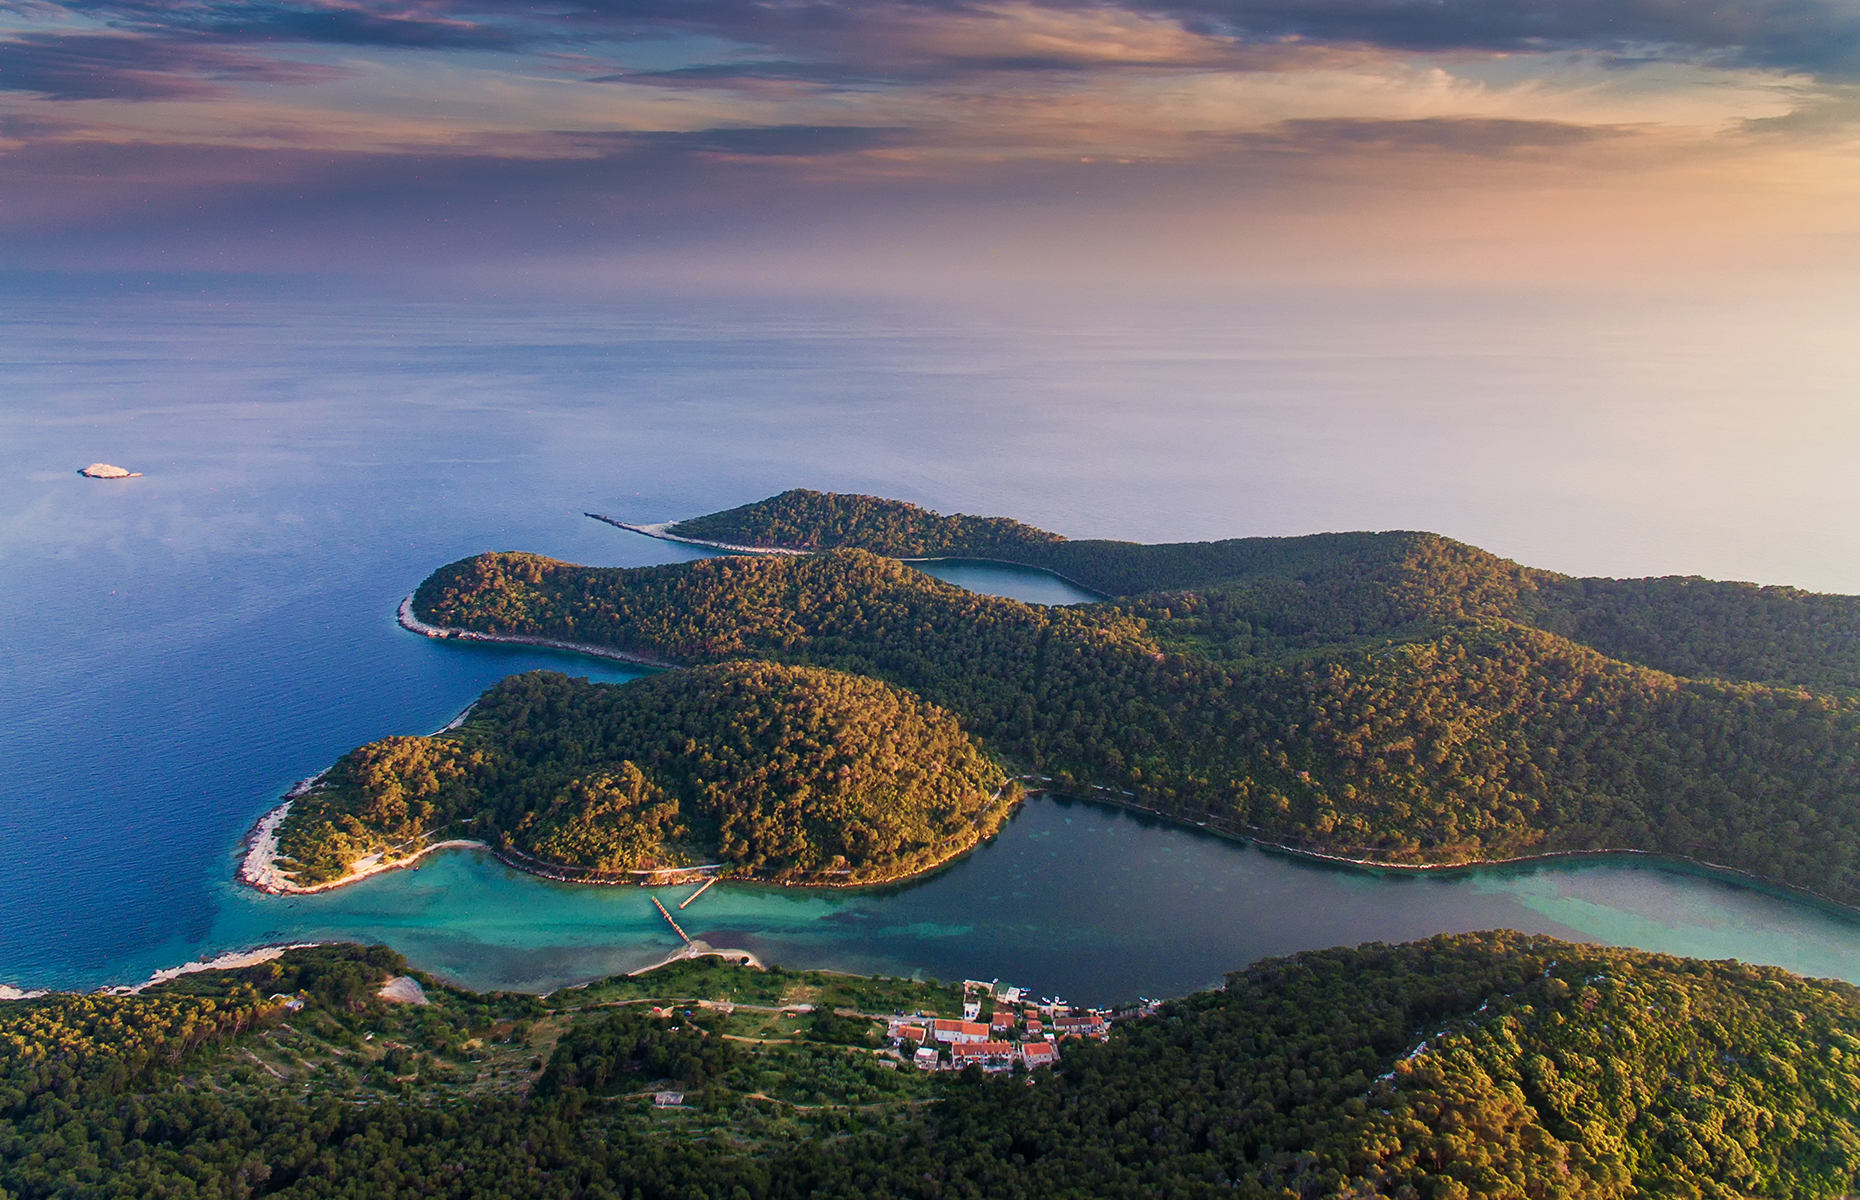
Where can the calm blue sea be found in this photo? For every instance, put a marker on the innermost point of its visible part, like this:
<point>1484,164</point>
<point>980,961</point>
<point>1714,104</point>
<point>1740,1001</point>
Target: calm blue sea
<point>175,650</point>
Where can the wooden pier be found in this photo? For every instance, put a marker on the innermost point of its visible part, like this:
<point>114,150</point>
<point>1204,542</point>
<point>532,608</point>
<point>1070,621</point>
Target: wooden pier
<point>699,892</point>
<point>668,920</point>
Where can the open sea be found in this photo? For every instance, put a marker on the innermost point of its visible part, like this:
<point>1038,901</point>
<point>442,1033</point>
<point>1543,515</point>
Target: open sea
<point>176,650</point>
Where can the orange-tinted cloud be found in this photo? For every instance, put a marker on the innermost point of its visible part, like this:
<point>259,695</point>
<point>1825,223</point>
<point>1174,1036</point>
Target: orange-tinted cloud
<point>1162,137</point>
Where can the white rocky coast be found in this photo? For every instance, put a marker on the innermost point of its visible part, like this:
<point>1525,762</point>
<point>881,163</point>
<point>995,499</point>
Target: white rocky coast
<point>663,531</point>
<point>225,962</point>
<point>413,624</point>
<point>260,867</point>
<point>106,471</point>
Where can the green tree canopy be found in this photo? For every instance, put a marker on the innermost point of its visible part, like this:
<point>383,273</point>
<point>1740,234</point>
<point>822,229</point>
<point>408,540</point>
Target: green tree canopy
<point>1430,730</point>
<point>781,772</point>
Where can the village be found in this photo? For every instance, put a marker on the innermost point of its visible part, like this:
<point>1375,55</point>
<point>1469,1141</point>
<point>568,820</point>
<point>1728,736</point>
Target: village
<point>1014,1030</point>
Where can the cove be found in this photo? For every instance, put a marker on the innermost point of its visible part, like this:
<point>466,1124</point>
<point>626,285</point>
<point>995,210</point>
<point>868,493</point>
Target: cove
<point>1029,584</point>
<point>989,577</point>
<point>1074,899</point>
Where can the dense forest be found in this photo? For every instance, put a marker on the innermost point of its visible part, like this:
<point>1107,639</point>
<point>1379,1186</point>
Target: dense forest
<point>1484,1065</point>
<point>1409,721</point>
<point>1295,591</point>
<point>804,520</point>
<point>780,772</point>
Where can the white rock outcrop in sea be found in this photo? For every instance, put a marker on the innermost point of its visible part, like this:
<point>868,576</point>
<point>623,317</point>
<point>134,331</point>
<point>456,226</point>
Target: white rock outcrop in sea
<point>106,471</point>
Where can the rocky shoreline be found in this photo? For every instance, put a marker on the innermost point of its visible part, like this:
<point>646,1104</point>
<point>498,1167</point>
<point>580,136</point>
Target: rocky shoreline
<point>412,624</point>
<point>225,962</point>
<point>231,960</point>
<point>661,531</point>
<point>259,868</point>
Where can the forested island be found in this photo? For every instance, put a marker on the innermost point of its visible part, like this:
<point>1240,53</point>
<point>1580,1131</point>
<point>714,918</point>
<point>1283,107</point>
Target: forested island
<point>1395,698</point>
<point>1484,1065</point>
<point>773,772</point>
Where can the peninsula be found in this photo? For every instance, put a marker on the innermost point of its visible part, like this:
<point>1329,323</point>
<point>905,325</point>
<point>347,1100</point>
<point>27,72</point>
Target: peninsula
<point>1396,698</point>
<point>755,770</point>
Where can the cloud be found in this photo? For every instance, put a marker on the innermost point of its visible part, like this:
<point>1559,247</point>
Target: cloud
<point>1819,36</point>
<point>1816,36</point>
<point>433,25</point>
<point>355,26</point>
<point>472,128</point>
<point>129,67</point>
<point>1830,116</point>
<point>771,141</point>
<point>1475,136</point>
<point>1019,36</point>
<point>775,78</point>
<point>299,205</point>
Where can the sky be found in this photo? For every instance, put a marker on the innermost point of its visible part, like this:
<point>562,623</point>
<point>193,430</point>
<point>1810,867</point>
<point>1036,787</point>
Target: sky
<point>926,145</point>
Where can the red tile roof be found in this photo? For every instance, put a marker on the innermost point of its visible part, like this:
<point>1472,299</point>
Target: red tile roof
<point>968,1031</point>
<point>961,1027</point>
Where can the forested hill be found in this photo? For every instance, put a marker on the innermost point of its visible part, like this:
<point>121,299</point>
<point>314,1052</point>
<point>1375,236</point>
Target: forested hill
<point>1457,741</point>
<point>1484,1065</point>
<point>778,772</point>
<point>804,520</point>
<point>1325,588</point>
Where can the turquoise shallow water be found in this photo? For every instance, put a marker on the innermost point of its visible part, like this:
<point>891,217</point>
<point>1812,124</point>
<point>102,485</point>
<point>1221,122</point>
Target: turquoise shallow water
<point>176,650</point>
<point>1094,903</point>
